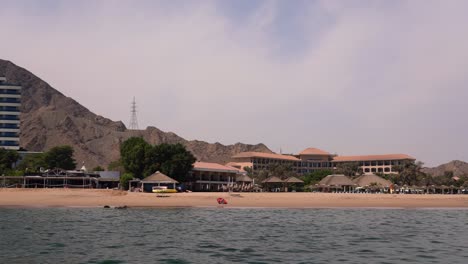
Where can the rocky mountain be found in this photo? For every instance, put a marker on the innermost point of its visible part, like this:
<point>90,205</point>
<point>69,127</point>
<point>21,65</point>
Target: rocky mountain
<point>458,168</point>
<point>49,118</point>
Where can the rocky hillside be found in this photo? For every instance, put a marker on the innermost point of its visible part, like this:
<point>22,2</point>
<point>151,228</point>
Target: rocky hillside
<point>48,119</point>
<point>458,168</point>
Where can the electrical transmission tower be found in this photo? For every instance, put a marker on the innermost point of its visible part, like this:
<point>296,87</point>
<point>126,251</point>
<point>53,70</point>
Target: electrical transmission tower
<point>133,118</point>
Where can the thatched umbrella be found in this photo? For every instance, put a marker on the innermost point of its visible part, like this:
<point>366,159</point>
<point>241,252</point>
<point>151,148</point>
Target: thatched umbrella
<point>158,178</point>
<point>338,181</point>
<point>243,178</point>
<point>293,181</point>
<point>272,181</point>
<point>245,182</point>
<point>443,188</point>
<point>369,179</point>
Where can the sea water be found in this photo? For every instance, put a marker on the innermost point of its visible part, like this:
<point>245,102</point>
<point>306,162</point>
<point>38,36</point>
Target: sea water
<point>221,235</point>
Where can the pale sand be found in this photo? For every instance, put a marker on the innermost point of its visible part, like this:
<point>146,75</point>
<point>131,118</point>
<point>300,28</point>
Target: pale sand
<point>99,198</point>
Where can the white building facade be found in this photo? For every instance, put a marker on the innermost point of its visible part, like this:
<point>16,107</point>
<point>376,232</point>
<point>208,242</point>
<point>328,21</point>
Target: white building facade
<point>10,104</point>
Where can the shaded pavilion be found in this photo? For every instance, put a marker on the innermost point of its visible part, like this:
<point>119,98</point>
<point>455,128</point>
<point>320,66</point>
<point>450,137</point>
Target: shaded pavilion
<point>336,182</point>
<point>273,183</point>
<point>243,179</point>
<point>373,182</point>
<point>293,182</point>
<point>157,179</point>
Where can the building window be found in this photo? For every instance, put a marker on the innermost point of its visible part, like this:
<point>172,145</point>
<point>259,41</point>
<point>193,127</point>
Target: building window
<point>366,170</point>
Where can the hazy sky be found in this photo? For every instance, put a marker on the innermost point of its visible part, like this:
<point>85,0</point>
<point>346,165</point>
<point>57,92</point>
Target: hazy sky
<point>350,77</point>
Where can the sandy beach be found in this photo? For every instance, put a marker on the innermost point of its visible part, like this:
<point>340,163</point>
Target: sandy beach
<point>99,198</point>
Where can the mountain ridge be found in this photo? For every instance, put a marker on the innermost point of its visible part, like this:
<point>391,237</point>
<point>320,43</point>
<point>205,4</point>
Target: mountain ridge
<point>49,118</point>
<point>458,167</point>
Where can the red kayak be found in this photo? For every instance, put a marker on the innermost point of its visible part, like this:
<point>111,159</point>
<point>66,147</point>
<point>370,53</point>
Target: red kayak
<point>221,201</point>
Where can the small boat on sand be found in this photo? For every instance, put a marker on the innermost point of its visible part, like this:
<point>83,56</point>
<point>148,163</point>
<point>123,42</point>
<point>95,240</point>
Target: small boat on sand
<point>163,189</point>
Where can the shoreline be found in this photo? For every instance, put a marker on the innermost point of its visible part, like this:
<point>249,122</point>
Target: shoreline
<point>86,198</point>
<point>233,207</point>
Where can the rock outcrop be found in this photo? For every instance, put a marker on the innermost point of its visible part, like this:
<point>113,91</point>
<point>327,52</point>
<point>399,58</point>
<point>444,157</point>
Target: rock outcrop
<point>48,119</point>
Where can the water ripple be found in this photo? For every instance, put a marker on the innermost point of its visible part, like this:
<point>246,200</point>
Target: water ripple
<point>94,235</point>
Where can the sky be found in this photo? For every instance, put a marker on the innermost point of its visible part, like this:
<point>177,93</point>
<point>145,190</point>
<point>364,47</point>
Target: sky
<point>348,77</point>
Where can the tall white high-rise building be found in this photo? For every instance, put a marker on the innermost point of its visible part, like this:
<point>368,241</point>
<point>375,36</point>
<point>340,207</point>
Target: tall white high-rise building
<point>10,103</point>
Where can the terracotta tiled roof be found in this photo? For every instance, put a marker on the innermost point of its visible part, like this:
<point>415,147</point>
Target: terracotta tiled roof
<point>265,155</point>
<point>373,157</point>
<point>242,165</point>
<point>209,166</point>
<point>313,151</point>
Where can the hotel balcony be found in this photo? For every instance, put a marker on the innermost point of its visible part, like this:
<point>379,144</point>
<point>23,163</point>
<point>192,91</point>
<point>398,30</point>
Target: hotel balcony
<point>14,104</point>
<point>4,95</point>
<point>8,139</point>
<point>15,130</point>
<point>8,121</point>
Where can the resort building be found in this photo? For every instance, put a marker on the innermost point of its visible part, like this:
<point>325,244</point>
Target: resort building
<point>312,159</point>
<point>10,103</point>
<point>375,163</point>
<point>207,176</point>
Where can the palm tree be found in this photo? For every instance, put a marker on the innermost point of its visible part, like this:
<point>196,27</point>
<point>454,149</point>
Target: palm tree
<point>350,169</point>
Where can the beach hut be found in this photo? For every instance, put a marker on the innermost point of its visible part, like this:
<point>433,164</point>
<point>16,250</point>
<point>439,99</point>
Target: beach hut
<point>157,179</point>
<point>243,183</point>
<point>293,182</point>
<point>372,182</point>
<point>273,183</point>
<point>243,179</point>
<point>337,182</point>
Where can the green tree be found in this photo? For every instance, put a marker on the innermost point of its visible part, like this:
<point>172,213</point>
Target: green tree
<point>116,166</point>
<point>7,159</point>
<point>124,179</point>
<point>409,173</point>
<point>316,176</point>
<point>60,157</point>
<point>141,159</point>
<point>282,171</point>
<point>32,163</point>
<point>135,155</point>
<point>350,169</point>
<point>98,168</point>
<point>173,160</point>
